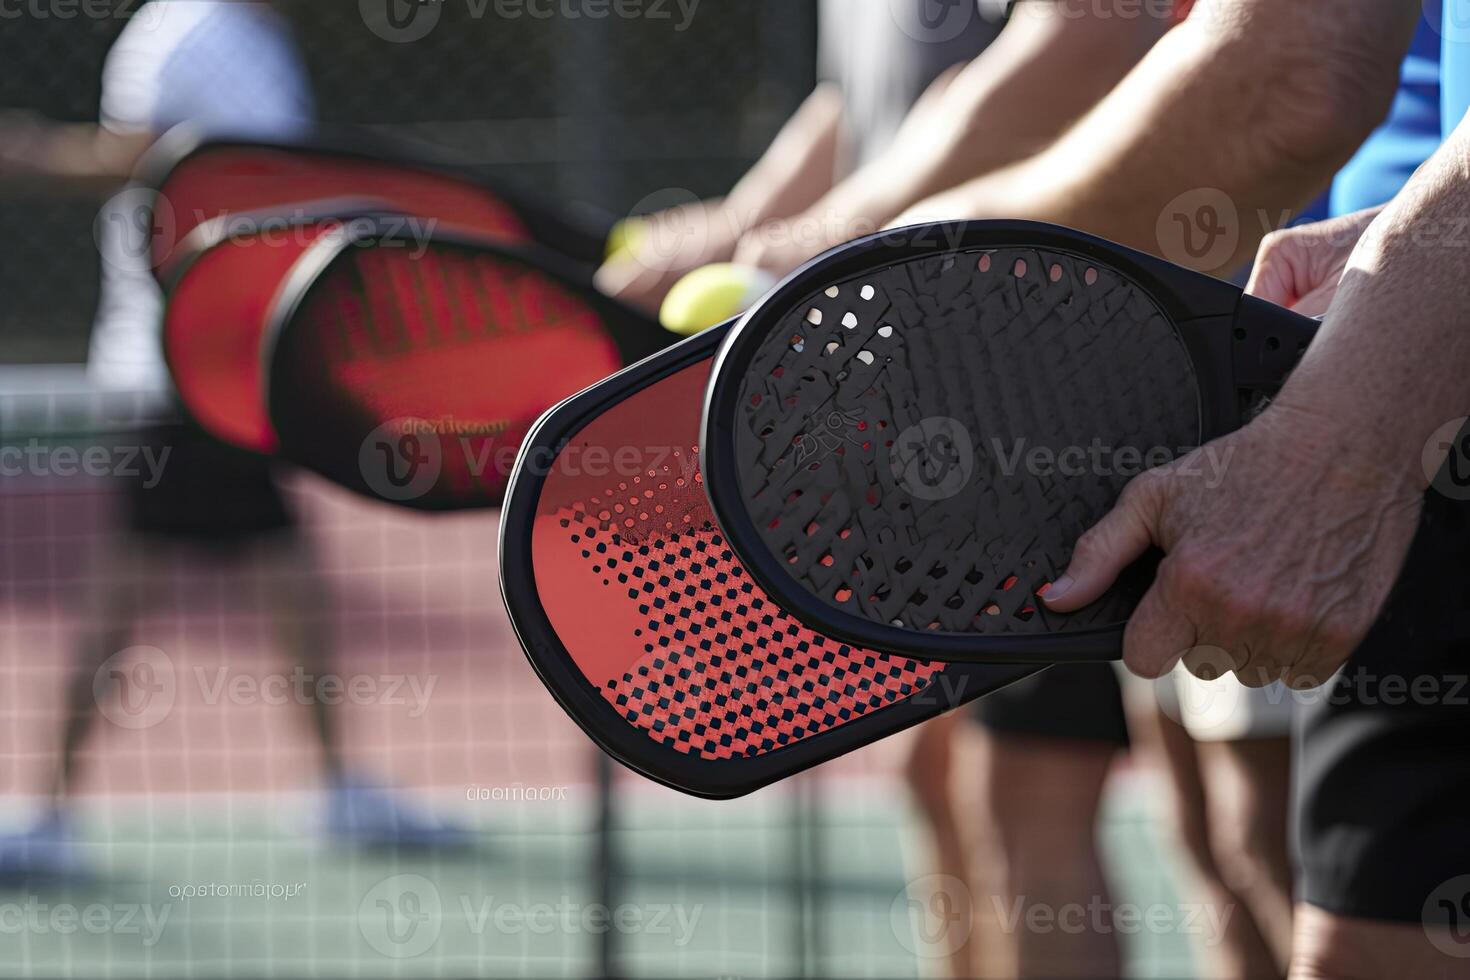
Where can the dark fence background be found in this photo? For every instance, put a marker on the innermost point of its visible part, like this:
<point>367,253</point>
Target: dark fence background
<point>589,111</point>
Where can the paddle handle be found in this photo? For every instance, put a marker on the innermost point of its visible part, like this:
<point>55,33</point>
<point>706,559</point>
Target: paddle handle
<point>1268,342</point>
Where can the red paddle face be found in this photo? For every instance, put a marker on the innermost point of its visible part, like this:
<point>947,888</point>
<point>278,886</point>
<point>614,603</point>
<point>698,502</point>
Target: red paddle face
<point>645,595</point>
<point>217,315</point>
<point>413,372</point>
<point>227,179</point>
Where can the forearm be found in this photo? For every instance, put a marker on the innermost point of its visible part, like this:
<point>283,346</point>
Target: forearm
<point>1259,100</point>
<point>1048,67</point>
<point>1391,364</point>
<point>797,169</point>
<point>79,156</point>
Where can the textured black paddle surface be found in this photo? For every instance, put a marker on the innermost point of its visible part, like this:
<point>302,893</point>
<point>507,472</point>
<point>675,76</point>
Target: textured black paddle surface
<point>923,445</point>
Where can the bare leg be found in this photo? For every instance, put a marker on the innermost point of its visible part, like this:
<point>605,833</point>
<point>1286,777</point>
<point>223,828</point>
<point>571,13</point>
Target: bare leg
<point>1242,951</point>
<point>1334,947</point>
<point>124,580</point>
<point>298,599</point>
<point>1042,797</point>
<point>995,947</point>
<point>929,771</point>
<point>1248,785</point>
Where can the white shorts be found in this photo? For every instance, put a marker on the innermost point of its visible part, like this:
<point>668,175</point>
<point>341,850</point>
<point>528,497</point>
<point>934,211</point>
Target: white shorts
<point>1225,710</point>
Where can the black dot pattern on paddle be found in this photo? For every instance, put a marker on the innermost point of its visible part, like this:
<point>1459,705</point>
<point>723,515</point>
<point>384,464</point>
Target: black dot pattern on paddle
<point>921,446</point>
<point>720,671</point>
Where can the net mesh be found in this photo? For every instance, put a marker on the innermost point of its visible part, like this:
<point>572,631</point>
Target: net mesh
<point>208,835</point>
<point>204,833</point>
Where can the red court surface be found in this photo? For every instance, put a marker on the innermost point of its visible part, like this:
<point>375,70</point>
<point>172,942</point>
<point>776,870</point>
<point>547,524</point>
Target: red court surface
<point>445,697</point>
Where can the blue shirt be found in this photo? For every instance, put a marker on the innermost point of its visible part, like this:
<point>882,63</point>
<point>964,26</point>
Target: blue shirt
<point>1433,96</point>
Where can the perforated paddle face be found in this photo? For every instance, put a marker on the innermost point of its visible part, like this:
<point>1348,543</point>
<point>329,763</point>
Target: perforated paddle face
<point>920,445</point>
<point>645,625</point>
<point>217,315</point>
<point>230,178</point>
<point>411,371</point>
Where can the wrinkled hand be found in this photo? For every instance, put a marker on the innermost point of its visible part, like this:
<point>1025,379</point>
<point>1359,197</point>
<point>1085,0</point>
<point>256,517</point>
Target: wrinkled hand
<point>668,246</point>
<point>1281,550</point>
<point>1299,268</point>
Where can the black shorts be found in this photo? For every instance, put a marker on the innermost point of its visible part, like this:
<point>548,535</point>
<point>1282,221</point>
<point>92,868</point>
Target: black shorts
<point>1383,774</point>
<point>193,487</point>
<point>1073,701</point>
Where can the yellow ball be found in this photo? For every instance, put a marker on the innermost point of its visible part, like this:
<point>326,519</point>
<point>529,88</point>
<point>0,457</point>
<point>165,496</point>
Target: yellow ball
<point>712,295</point>
<point>626,238</point>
